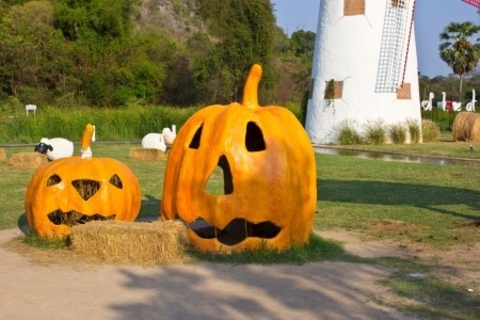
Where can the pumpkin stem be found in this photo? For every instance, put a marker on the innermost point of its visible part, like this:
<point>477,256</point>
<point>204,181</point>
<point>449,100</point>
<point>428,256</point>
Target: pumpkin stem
<point>87,135</point>
<point>250,98</point>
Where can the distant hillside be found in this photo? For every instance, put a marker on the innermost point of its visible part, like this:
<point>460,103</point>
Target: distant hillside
<point>166,52</point>
<point>179,18</point>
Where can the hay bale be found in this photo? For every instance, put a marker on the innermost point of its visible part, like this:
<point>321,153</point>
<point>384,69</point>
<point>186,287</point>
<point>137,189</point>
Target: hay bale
<point>159,242</point>
<point>147,154</point>
<point>27,160</point>
<point>466,127</point>
<point>3,155</point>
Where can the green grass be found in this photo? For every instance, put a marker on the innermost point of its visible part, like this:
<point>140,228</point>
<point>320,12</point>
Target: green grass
<point>125,124</point>
<point>33,240</point>
<point>112,124</point>
<point>404,202</point>
<point>430,297</point>
<point>317,249</point>
<point>400,201</point>
<point>376,197</point>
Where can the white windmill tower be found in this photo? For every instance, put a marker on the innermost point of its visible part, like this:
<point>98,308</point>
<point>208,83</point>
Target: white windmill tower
<point>364,68</point>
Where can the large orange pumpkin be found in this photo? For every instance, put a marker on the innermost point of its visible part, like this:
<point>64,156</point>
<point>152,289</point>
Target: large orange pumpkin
<point>77,189</point>
<point>269,176</point>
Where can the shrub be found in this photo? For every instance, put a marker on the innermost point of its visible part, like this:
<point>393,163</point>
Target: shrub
<point>398,133</point>
<point>430,131</point>
<point>413,130</point>
<point>443,118</point>
<point>348,134</point>
<point>375,132</point>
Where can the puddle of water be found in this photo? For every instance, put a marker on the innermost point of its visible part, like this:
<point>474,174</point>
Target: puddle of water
<point>393,157</point>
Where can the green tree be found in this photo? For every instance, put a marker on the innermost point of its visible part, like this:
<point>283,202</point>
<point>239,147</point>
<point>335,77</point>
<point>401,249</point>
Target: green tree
<point>302,44</point>
<point>281,43</point>
<point>245,33</point>
<point>206,65</point>
<point>457,51</point>
<point>33,56</point>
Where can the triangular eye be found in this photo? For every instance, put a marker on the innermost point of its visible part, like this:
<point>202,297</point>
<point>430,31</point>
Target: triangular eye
<point>116,181</point>
<point>254,138</point>
<point>195,144</point>
<point>86,188</point>
<point>215,178</point>
<point>53,180</point>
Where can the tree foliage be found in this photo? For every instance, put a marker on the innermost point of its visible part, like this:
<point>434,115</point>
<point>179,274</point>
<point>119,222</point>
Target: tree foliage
<point>457,51</point>
<point>96,53</point>
<point>31,47</point>
<point>302,44</point>
<point>244,30</point>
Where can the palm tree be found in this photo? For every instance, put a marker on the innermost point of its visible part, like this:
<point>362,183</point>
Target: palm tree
<point>457,51</point>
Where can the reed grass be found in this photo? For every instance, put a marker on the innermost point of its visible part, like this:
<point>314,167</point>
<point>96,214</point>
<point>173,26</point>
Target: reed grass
<point>127,124</point>
<point>397,133</point>
<point>430,131</point>
<point>112,124</point>
<point>414,130</point>
<point>375,132</point>
<point>348,134</point>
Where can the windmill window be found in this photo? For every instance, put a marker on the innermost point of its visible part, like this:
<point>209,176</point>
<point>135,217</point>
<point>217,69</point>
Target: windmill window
<point>333,90</point>
<point>404,92</point>
<point>353,7</point>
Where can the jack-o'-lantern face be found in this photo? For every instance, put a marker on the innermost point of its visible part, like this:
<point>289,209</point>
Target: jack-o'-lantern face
<point>269,176</point>
<point>76,190</point>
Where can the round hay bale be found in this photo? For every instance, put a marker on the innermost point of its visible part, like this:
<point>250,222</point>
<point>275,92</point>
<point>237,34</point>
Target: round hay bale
<point>147,154</point>
<point>466,127</point>
<point>159,242</point>
<point>27,160</point>
<point>3,155</point>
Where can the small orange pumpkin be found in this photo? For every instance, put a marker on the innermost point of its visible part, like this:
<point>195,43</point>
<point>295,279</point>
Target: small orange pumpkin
<point>269,173</point>
<point>77,189</point>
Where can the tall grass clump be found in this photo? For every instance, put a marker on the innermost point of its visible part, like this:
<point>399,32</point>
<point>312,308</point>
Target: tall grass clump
<point>348,134</point>
<point>430,131</point>
<point>112,124</point>
<point>443,118</point>
<point>398,133</point>
<point>413,130</point>
<point>375,132</point>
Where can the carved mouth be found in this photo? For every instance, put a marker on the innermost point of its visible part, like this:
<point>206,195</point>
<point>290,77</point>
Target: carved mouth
<point>73,217</point>
<point>235,232</point>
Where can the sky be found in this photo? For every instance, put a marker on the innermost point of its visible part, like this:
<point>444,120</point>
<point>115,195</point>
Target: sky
<point>431,17</point>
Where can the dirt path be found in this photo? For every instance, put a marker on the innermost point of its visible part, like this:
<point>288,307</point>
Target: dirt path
<point>327,290</point>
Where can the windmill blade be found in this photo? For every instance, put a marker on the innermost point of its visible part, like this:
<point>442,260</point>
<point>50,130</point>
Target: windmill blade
<point>397,29</point>
<point>475,3</point>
